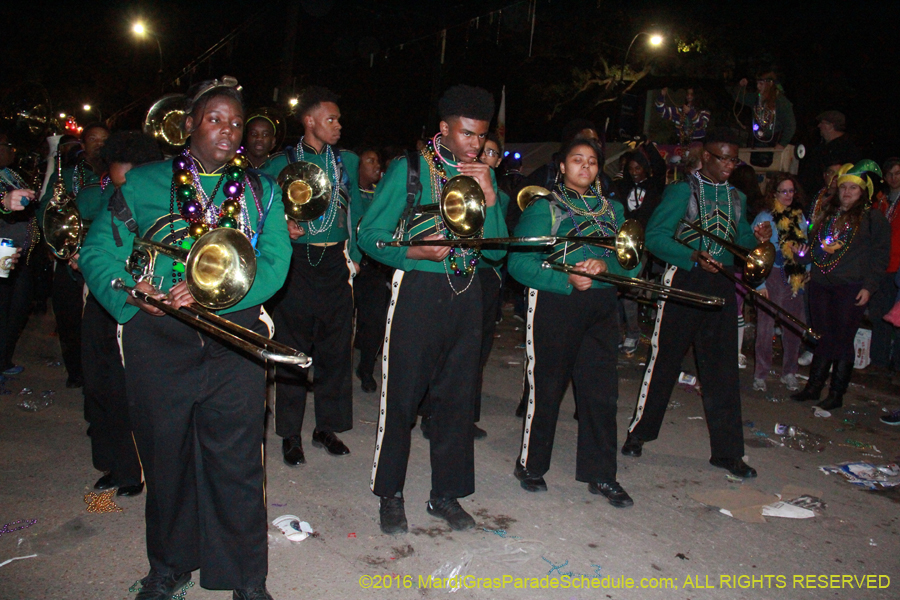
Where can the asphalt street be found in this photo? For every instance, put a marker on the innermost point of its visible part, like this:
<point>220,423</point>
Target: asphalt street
<point>668,545</point>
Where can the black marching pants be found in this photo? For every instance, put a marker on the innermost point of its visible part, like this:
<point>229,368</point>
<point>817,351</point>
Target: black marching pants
<point>198,412</point>
<point>575,338</point>
<point>15,306</point>
<point>490,303</point>
<point>432,345</point>
<point>68,304</point>
<point>371,291</point>
<point>105,400</point>
<point>313,313</point>
<point>713,333</point>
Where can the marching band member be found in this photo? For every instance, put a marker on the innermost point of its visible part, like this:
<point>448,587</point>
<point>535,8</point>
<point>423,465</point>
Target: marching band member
<point>196,405</point>
<point>313,312</point>
<point>105,397</point>
<point>433,334</point>
<point>260,137</point>
<point>68,284</point>
<point>571,322</point>
<point>371,286</point>
<point>707,199</point>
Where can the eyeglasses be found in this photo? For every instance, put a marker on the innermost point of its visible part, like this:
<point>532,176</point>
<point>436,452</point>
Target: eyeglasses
<point>766,80</point>
<point>786,192</point>
<point>491,153</point>
<point>725,159</point>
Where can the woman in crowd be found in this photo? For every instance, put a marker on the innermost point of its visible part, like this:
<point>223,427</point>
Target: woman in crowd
<point>569,320</point>
<point>774,124</point>
<point>784,210</point>
<point>850,247</point>
<point>639,190</point>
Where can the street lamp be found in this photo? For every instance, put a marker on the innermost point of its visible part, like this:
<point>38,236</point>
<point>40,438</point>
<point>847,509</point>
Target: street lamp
<point>655,40</point>
<point>141,31</point>
<point>88,108</point>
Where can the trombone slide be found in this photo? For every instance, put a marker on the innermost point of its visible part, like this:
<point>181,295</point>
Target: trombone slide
<point>621,280</point>
<point>806,332</point>
<point>223,329</point>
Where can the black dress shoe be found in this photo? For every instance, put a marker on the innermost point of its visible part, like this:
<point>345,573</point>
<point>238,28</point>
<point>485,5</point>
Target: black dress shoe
<point>130,490</point>
<point>613,492</point>
<point>260,593</point>
<point>367,381</point>
<point>106,482</point>
<point>450,510</point>
<point>392,516</point>
<point>632,446</point>
<point>330,442</point>
<point>478,432</point>
<point>161,586</point>
<point>292,450</point>
<point>735,466</point>
<point>528,480</point>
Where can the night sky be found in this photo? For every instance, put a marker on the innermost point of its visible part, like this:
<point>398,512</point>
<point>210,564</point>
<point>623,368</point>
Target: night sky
<point>382,57</point>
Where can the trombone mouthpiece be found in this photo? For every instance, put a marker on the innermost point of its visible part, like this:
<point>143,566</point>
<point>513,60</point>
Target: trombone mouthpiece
<point>380,244</point>
<point>117,283</point>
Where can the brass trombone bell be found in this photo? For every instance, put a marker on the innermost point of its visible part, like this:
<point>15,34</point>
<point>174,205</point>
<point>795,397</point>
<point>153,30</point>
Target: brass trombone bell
<point>759,260</point>
<point>462,206</point>
<point>528,194</point>
<point>629,244</point>
<point>165,122</point>
<point>305,190</point>
<point>219,267</point>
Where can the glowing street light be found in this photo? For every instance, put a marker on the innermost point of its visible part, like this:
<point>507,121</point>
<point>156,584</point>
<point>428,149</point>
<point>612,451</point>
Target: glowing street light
<point>62,115</point>
<point>86,107</point>
<point>656,40</point>
<point>141,31</point>
<point>293,101</point>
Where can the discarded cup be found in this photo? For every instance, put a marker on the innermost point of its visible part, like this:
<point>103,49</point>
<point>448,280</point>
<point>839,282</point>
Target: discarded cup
<point>687,379</point>
<point>800,439</point>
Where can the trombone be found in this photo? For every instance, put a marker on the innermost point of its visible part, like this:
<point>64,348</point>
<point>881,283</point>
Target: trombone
<point>808,335</point>
<point>462,208</point>
<point>621,280</point>
<point>758,261</point>
<point>219,269</point>
<point>222,329</point>
<point>305,190</point>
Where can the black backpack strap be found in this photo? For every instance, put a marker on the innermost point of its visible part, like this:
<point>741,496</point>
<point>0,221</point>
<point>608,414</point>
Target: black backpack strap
<point>255,183</point>
<point>118,209</point>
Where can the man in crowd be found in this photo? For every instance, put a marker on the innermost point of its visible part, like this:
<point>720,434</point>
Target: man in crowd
<point>837,147</point>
